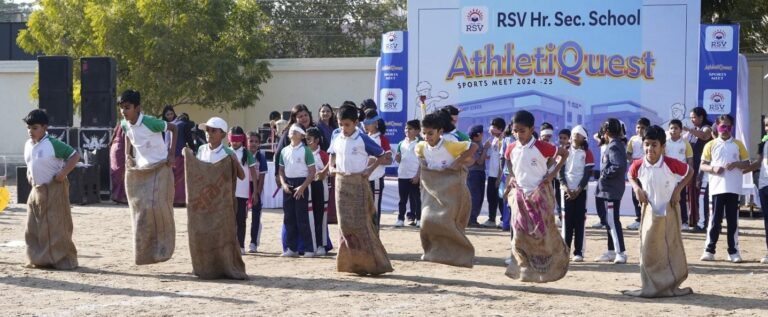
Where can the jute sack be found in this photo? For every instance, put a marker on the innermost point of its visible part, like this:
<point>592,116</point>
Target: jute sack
<point>150,197</point>
<point>663,266</point>
<point>49,227</point>
<point>539,253</point>
<point>211,211</point>
<point>361,251</point>
<point>444,216</point>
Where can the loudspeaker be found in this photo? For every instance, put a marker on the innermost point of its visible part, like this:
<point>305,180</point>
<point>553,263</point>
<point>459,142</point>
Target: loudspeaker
<point>99,109</point>
<point>22,185</point>
<point>84,185</point>
<point>94,144</point>
<point>67,135</point>
<point>55,89</point>
<point>97,91</point>
<point>98,74</point>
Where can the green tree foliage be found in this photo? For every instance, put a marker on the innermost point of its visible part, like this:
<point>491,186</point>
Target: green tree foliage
<point>331,28</point>
<point>752,15</point>
<point>175,52</point>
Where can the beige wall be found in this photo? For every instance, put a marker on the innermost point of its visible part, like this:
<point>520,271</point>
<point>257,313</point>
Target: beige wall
<point>15,79</point>
<point>758,97</point>
<point>308,81</point>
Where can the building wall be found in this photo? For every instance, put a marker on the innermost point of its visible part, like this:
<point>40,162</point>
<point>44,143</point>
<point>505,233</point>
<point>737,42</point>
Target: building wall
<point>758,98</point>
<point>15,79</point>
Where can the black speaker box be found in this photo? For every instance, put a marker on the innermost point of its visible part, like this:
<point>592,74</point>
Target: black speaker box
<point>55,89</point>
<point>84,185</point>
<point>94,143</point>
<point>99,109</point>
<point>67,135</point>
<point>22,185</point>
<point>98,74</point>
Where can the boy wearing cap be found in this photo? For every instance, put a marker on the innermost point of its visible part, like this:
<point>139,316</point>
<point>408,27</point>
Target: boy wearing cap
<point>494,170</point>
<point>297,170</point>
<point>476,175</point>
<point>148,169</point>
<point>215,150</point>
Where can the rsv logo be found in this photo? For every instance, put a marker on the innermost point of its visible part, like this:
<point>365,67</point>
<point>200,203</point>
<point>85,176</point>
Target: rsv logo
<point>474,20</point>
<point>392,42</point>
<point>717,101</point>
<point>391,100</point>
<point>719,38</point>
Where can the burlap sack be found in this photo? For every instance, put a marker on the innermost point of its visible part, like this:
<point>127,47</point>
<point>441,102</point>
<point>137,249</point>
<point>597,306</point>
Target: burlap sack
<point>539,253</point>
<point>150,198</point>
<point>211,211</point>
<point>361,251</point>
<point>663,266</point>
<point>49,227</point>
<point>444,216</point>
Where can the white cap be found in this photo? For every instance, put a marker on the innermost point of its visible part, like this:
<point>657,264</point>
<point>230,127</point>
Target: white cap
<point>547,132</point>
<point>214,122</point>
<point>296,128</point>
<point>580,131</point>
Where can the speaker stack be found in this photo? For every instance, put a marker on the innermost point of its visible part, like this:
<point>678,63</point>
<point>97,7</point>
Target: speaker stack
<point>98,86</point>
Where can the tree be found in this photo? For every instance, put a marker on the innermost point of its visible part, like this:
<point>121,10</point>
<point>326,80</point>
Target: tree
<point>174,52</point>
<point>752,15</point>
<point>331,28</point>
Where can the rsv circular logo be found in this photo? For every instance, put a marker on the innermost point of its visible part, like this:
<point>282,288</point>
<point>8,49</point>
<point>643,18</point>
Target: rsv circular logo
<point>719,38</point>
<point>391,100</point>
<point>717,101</point>
<point>474,20</point>
<point>392,42</point>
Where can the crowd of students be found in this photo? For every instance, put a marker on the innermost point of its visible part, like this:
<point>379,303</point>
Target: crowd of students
<point>351,142</point>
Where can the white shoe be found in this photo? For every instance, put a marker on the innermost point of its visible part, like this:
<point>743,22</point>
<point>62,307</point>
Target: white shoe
<point>558,223</point>
<point>242,251</point>
<point>489,224</point>
<point>508,261</point>
<point>309,254</point>
<point>399,224</point>
<point>764,260</point>
<point>578,258</point>
<point>598,225</point>
<point>621,258</point>
<point>418,223</point>
<point>608,256</point>
<point>289,254</point>
<point>321,251</point>
<point>253,248</point>
<point>706,256</point>
<point>685,227</point>
<point>634,226</point>
<point>735,258</point>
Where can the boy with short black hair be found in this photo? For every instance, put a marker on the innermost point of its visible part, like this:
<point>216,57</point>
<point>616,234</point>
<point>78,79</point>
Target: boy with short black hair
<point>361,250</point>
<point>408,175</point>
<point>658,181</point>
<point>476,173</point>
<point>49,220</point>
<point>148,168</point>
<point>678,148</point>
<point>635,152</point>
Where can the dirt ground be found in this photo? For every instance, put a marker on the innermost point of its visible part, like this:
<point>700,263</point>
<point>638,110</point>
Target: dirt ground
<point>108,283</point>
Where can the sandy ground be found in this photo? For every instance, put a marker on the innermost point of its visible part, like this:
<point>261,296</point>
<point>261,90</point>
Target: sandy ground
<point>108,283</point>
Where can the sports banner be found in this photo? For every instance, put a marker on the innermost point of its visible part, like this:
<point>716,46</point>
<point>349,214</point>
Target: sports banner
<point>718,76</point>
<point>568,62</point>
<point>392,83</point>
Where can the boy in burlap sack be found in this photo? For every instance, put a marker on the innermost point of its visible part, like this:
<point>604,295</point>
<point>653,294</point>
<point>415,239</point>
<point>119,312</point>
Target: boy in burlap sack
<point>210,177</point>
<point>539,253</point>
<point>49,220</point>
<point>361,251</point>
<point>149,182</point>
<point>662,257</point>
<point>445,196</point>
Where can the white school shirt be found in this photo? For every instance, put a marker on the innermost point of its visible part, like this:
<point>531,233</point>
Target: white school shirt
<point>680,150</point>
<point>529,162</point>
<point>577,160</point>
<point>659,180</point>
<point>384,144</point>
<point>146,138</point>
<point>720,152</point>
<point>206,154</point>
<point>352,151</point>
<point>442,155</point>
<point>243,188</point>
<point>409,163</point>
<point>494,158</point>
<point>45,159</point>
<point>296,160</point>
<point>635,147</point>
